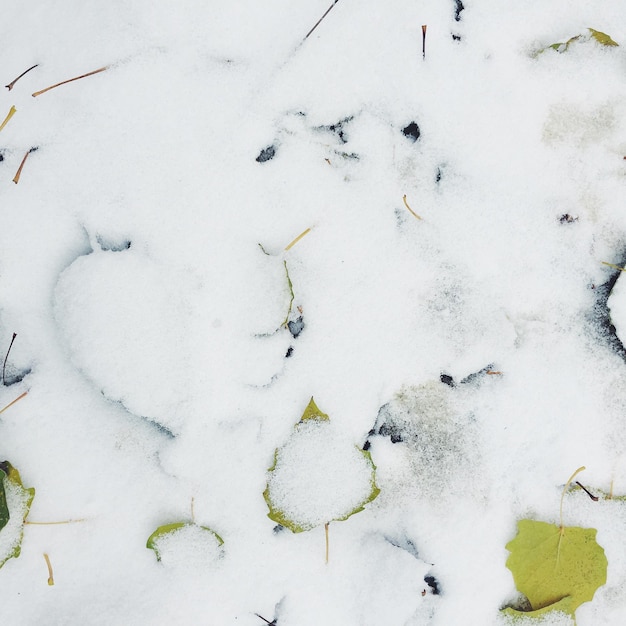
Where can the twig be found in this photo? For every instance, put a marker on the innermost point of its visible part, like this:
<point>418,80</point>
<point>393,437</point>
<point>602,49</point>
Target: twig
<point>406,204</point>
<point>50,576</point>
<point>424,27</point>
<point>320,20</point>
<point>16,178</point>
<point>272,623</point>
<point>4,366</point>
<point>594,498</point>
<point>12,83</point>
<point>10,114</point>
<point>38,93</point>
<point>14,401</point>
<point>295,241</point>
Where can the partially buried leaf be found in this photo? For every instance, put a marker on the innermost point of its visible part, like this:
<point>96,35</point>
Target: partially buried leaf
<point>600,37</point>
<point>318,476</point>
<point>15,503</point>
<point>312,412</point>
<point>556,569</point>
<point>170,531</point>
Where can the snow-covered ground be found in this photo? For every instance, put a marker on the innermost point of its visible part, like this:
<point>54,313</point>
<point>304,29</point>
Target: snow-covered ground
<point>449,305</point>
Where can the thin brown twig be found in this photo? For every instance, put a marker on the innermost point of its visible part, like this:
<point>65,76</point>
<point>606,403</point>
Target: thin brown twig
<point>64,82</point>
<point>424,27</point>
<point>330,8</point>
<point>14,401</point>
<point>16,178</point>
<point>4,365</point>
<point>594,498</point>
<point>12,83</point>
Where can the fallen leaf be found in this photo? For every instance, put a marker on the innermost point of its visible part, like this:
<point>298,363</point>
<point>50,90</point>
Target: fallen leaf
<point>550,564</point>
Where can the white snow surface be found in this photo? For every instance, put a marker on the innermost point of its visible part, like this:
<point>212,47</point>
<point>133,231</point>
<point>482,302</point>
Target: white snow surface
<point>144,262</point>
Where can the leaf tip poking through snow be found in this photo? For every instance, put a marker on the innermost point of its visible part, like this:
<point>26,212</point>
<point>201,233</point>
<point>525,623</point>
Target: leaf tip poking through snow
<point>318,476</point>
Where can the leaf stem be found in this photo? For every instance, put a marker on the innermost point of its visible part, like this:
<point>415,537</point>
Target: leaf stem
<point>68,521</point>
<point>14,401</point>
<point>295,241</point>
<point>10,114</point>
<point>567,484</point>
<point>292,295</point>
<point>64,82</point>
<point>406,204</point>
<point>16,178</point>
<point>615,267</point>
<point>50,575</point>
<point>326,534</point>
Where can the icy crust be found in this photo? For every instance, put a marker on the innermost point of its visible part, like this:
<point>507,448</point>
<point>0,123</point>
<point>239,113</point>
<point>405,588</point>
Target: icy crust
<point>617,308</point>
<point>319,476</point>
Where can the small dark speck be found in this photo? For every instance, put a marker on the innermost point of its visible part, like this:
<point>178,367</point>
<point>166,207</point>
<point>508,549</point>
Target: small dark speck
<point>278,529</point>
<point>446,379</point>
<point>296,327</point>
<point>566,218</point>
<point>266,154</point>
<point>289,352</point>
<point>1,156</point>
<point>438,175</point>
<point>456,37</point>
<point>367,445</point>
<point>412,131</point>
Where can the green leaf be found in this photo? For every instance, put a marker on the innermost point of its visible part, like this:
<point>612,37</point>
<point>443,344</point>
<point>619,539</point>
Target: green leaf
<point>291,505</point>
<point>168,530</point>
<point>13,494</point>
<point>550,564</point>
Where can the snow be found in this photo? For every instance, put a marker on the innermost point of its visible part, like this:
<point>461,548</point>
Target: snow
<point>143,266</point>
